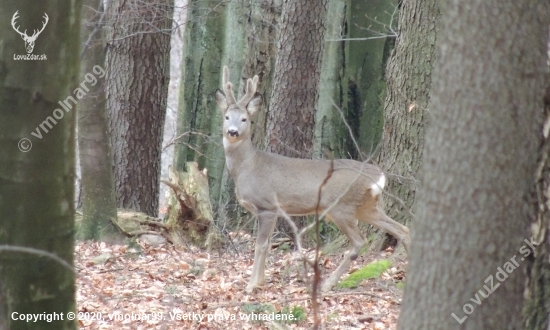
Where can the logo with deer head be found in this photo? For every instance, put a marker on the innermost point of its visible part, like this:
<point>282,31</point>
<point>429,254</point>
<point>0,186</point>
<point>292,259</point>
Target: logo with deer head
<point>29,40</point>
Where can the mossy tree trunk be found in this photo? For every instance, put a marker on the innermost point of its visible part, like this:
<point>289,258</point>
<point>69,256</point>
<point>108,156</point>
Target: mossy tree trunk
<point>138,54</point>
<point>330,131</point>
<point>470,239</point>
<point>259,59</point>
<point>214,37</point>
<point>200,76</point>
<point>96,163</point>
<point>365,67</point>
<point>233,55</point>
<point>37,174</point>
<point>358,41</point>
<point>408,80</point>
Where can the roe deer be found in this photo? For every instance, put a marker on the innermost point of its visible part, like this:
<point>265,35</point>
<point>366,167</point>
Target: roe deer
<point>269,185</point>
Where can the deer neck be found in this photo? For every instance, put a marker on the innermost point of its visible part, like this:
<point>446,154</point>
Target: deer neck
<point>237,154</point>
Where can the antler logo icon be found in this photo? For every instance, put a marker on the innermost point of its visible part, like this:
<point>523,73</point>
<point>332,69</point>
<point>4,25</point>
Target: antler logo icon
<point>29,40</point>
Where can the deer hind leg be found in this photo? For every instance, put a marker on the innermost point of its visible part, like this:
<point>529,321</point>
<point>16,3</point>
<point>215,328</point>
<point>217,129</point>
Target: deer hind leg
<point>266,225</point>
<point>346,222</point>
<point>375,216</point>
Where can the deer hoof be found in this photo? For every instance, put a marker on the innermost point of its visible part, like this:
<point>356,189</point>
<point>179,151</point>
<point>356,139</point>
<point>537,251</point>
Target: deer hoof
<point>250,288</point>
<point>326,287</point>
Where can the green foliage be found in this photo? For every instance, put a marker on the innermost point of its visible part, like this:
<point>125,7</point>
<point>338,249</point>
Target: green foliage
<point>259,308</point>
<point>372,270</point>
<point>171,289</point>
<point>133,244</point>
<point>285,247</point>
<point>197,270</point>
<point>298,313</point>
<point>400,285</point>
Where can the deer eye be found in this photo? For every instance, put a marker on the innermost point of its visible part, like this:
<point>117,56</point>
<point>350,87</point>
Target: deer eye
<point>226,117</point>
<point>243,120</point>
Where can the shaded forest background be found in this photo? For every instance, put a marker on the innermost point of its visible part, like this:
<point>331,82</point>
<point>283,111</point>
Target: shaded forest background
<point>451,98</point>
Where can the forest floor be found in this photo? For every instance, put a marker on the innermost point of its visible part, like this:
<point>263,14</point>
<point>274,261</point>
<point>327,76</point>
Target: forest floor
<point>163,287</point>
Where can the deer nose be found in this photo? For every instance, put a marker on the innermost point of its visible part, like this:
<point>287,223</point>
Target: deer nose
<point>233,132</point>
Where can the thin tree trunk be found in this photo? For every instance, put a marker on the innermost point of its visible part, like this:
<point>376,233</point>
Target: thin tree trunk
<point>137,89</point>
<point>409,82</point>
<point>471,237</point>
<point>37,180</point>
<point>96,163</point>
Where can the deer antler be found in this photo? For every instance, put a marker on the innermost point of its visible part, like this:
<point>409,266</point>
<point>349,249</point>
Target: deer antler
<point>251,85</point>
<point>228,87</point>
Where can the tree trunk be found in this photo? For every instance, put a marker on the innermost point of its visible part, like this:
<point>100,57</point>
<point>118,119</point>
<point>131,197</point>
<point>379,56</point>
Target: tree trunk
<point>291,116</point>
<point>470,237</point>
<point>37,180</point>
<point>137,88</point>
<point>330,131</point>
<point>537,303</point>
<point>96,164</point>
<point>200,76</point>
<point>409,81</point>
<point>233,51</point>
<point>259,59</point>
<point>365,68</point>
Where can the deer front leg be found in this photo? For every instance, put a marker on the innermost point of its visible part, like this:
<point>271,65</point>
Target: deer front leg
<point>266,224</point>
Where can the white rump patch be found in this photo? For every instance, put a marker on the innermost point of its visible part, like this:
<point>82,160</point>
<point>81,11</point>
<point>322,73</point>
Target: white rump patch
<point>377,187</point>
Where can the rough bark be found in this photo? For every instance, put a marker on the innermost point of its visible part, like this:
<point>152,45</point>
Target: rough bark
<point>189,216</point>
<point>137,87</point>
<point>260,56</point>
<point>537,294</point>
<point>37,186</point>
<point>408,83</point>
<point>291,116</point>
<point>479,158</point>
<point>96,163</point>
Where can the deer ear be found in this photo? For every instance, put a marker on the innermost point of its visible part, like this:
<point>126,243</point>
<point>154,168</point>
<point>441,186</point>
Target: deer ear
<point>254,104</point>
<point>221,100</point>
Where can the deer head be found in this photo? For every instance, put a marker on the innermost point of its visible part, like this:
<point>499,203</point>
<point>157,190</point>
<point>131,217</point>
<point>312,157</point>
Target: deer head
<point>236,125</point>
<point>29,40</point>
